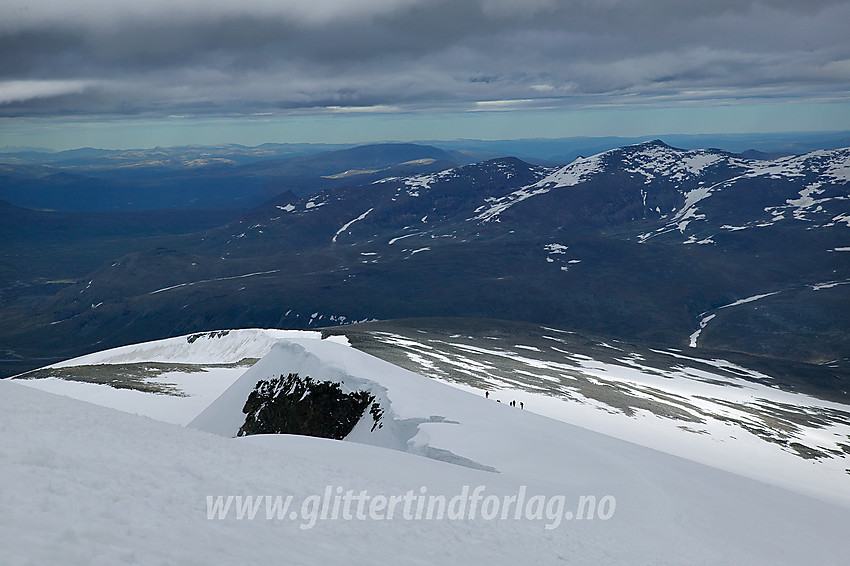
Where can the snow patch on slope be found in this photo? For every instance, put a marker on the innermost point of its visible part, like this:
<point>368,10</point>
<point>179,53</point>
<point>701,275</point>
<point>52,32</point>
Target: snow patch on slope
<point>348,224</point>
<point>705,318</point>
<point>829,167</point>
<point>653,160</point>
<point>568,176</point>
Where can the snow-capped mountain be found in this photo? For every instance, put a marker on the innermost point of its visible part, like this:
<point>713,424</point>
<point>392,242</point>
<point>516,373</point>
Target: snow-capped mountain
<point>90,485</point>
<point>706,188</point>
<point>685,248</point>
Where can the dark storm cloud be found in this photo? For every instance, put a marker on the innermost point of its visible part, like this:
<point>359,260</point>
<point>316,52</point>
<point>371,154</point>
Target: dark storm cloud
<point>219,57</point>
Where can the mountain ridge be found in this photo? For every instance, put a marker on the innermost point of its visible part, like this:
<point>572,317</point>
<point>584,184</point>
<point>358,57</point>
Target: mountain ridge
<point>640,242</point>
<point>102,465</point>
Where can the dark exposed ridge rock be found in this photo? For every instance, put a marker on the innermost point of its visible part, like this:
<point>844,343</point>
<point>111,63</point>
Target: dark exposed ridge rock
<point>296,405</point>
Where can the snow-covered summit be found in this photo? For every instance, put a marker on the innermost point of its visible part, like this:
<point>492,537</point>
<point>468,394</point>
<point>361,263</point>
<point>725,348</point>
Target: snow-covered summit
<point>690,172</point>
<point>203,380</point>
<point>217,347</point>
<point>88,485</point>
<point>171,380</point>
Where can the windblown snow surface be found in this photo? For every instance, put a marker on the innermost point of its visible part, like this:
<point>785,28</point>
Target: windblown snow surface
<point>88,484</point>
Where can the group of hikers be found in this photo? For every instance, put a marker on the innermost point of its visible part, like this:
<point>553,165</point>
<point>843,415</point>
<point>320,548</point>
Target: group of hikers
<point>512,403</point>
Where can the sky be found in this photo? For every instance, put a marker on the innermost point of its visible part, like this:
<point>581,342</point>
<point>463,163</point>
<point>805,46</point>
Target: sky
<point>116,73</point>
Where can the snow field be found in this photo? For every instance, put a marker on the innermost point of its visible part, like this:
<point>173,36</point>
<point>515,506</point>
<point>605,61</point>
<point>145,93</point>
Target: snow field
<point>84,484</point>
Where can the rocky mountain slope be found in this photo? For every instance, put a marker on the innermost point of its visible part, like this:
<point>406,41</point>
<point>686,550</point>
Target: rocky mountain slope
<point>686,248</point>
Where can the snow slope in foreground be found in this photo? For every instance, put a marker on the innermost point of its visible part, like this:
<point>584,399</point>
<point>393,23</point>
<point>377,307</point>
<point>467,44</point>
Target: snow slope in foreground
<point>84,484</point>
<point>698,409</point>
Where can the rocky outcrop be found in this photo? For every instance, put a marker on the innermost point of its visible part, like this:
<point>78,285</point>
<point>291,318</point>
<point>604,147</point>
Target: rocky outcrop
<point>302,405</point>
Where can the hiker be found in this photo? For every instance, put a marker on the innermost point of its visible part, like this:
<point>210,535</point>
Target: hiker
<point>486,394</point>
<point>521,406</point>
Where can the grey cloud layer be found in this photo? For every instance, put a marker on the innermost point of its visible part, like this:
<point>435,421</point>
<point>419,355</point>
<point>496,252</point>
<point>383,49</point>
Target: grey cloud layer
<point>161,57</point>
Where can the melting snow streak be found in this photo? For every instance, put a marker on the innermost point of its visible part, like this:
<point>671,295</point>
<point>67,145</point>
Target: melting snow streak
<point>705,319</point>
<point>348,224</point>
<point>216,279</point>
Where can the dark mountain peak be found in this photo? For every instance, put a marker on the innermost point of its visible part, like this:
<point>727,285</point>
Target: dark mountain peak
<point>644,151</point>
<point>507,161</point>
<point>286,197</point>
<point>491,165</point>
<point>500,172</point>
<point>655,159</point>
<point>653,143</point>
<point>659,147</point>
<point>642,147</point>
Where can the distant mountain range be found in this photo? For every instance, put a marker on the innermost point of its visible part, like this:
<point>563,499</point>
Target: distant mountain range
<point>683,248</point>
<point>231,177</point>
<point>237,177</point>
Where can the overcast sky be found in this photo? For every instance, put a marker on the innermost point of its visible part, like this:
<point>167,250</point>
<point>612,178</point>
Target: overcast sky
<point>160,71</point>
